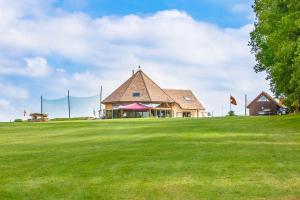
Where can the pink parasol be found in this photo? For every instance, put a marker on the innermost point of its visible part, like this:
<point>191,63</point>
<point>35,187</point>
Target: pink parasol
<point>135,106</point>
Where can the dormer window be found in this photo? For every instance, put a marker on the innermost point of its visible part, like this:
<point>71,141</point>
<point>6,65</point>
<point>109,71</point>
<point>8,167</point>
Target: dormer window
<point>263,99</point>
<point>136,94</point>
<point>186,98</point>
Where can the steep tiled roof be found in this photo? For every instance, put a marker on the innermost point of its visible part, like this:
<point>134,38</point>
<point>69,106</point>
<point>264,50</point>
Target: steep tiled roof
<point>185,99</point>
<point>267,96</point>
<point>142,84</point>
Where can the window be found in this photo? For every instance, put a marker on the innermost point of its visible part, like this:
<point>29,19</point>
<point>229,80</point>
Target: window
<point>187,114</point>
<point>136,94</point>
<point>263,99</point>
<point>187,98</point>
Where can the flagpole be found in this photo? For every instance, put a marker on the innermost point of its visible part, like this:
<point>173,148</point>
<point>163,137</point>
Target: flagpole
<point>230,102</point>
<point>245,104</point>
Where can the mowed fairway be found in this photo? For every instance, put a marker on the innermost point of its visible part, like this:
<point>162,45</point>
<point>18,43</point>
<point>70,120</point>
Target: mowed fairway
<point>220,158</point>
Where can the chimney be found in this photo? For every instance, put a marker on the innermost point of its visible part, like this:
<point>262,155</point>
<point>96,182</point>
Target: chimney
<point>132,72</point>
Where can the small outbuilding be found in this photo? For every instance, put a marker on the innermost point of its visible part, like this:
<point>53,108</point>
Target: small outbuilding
<point>38,117</point>
<point>264,104</point>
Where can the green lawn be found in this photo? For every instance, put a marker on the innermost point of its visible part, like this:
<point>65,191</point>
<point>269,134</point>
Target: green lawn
<point>220,158</point>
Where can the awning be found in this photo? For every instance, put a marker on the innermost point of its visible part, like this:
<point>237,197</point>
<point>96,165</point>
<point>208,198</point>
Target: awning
<point>135,106</point>
<point>151,105</point>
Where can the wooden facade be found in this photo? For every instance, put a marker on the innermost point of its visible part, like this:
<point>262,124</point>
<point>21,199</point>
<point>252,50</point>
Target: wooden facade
<point>38,117</point>
<point>264,104</point>
<point>139,88</point>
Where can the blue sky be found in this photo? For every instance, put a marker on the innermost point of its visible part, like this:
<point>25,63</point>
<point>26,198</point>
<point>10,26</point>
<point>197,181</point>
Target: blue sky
<point>48,47</point>
<point>226,13</point>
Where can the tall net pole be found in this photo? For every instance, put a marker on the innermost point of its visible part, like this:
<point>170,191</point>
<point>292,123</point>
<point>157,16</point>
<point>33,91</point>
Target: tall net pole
<point>100,108</point>
<point>41,104</point>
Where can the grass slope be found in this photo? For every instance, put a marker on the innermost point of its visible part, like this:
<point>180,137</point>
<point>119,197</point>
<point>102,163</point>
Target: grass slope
<point>220,158</point>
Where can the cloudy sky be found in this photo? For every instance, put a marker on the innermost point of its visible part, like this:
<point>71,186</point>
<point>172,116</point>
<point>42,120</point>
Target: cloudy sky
<point>50,46</point>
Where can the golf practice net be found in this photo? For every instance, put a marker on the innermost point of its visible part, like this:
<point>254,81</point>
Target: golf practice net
<point>71,106</point>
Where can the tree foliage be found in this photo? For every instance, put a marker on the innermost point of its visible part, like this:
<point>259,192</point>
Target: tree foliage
<point>275,42</point>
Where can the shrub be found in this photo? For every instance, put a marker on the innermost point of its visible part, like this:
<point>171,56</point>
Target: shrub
<point>231,113</point>
<point>18,120</point>
<point>72,119</point>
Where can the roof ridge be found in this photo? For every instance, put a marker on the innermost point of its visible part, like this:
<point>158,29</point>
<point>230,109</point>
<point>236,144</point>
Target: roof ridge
<point>158,86</point>
<point>130,81</point>
<point>271,98</point>
<point>142,73</point>
<point>265,94</point>
<point>178,97</point>
<point>177,89</point>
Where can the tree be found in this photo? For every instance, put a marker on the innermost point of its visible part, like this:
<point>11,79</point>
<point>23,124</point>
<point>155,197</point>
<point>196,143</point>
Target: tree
<point>275,42</point>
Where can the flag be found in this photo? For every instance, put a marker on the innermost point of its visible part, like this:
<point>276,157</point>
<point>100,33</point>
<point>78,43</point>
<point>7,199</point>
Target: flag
<point>232,100</point>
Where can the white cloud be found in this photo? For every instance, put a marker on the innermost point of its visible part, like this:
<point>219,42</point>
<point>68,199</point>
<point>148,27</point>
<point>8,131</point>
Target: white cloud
<point>6,113</point>
<point>244,9</point>
<point>173,48</point>
<point>37,67</point>
<point>85,83</point>
<point>4,103</point>
<point>108,40</point>
<point>60,70</point>
<point>240,8</point>
<point>13,92</point>
<point>34,67</point>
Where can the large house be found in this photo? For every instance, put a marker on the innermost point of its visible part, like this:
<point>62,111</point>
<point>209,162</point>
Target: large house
<point>264,104</point>
<point>139,96</point>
